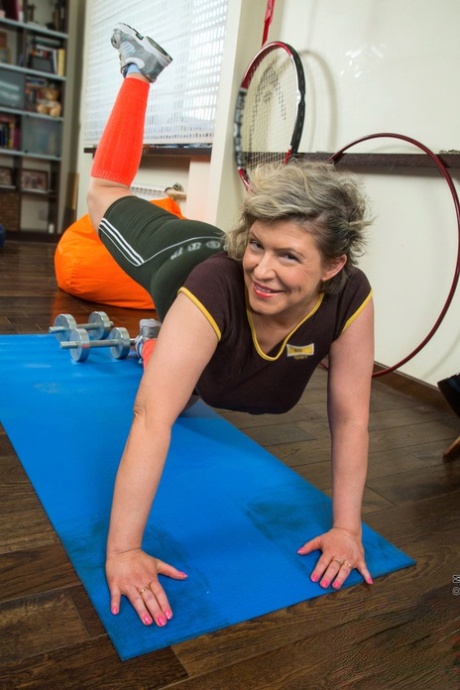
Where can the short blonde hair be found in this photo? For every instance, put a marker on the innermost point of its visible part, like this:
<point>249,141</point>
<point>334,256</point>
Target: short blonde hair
<point>328,204</point>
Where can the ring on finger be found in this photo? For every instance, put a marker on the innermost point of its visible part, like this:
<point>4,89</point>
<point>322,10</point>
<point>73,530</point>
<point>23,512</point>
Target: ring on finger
<point>349,565</point>
<point>143,589</point>
<point>338,561</point>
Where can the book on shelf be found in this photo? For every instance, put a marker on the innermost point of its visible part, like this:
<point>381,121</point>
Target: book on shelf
<point>13,9</point>
<point>61,62</point>
<point>7,131</point>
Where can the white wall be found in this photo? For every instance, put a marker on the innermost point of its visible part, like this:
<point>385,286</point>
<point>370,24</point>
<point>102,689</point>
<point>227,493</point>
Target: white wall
<point>388,66</point>
<point>371,66</point>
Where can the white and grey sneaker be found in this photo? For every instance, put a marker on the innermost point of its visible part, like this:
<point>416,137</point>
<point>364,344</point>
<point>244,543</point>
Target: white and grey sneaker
<point>148,329</point>
<point>142,51</point>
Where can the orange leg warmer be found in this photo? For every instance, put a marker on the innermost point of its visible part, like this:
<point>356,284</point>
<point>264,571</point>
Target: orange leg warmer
<point>119,151</point>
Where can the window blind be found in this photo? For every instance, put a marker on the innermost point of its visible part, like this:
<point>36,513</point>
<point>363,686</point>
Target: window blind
<point>182,103</point>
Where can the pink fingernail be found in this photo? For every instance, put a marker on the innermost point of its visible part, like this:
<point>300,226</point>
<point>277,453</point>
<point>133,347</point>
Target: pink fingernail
<point>161,621</point>
<point>325,583</point>
<point>314,578</point>
<point>147,620</point>
<point>168,615</point>
<point>336,585</point>
<point>114,610</point>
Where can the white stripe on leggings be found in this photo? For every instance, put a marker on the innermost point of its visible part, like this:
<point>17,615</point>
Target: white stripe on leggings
<point>136,259</point>
<point>119,241</point>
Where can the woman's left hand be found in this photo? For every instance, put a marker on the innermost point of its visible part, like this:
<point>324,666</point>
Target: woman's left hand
<point>342,552</point>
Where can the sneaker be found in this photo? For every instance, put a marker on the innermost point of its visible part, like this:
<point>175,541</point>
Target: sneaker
<point>138,50</point>
<point>148,328</point>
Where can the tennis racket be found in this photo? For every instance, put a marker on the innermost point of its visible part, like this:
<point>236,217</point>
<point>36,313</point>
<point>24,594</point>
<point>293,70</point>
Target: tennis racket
<point>270,109</point>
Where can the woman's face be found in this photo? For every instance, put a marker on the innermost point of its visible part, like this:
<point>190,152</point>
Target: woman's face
<point>283,269</point>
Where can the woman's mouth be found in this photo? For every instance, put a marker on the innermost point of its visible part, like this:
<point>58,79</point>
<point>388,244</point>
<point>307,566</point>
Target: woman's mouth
<point>263,291</point>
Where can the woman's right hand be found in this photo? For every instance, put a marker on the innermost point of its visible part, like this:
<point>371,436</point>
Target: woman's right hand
<point>134,574</point>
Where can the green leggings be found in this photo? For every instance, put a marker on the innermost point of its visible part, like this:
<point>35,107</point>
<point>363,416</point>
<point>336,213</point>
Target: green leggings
<point>156,248</point>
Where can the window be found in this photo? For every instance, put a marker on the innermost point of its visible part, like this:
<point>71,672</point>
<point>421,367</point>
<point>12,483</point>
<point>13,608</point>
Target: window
<point>182,103</point>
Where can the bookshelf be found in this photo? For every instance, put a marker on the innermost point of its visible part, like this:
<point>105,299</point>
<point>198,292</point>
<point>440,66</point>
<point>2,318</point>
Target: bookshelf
<point>33,52</point>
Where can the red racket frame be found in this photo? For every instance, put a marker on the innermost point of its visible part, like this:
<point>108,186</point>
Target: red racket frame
<point>240,103</point>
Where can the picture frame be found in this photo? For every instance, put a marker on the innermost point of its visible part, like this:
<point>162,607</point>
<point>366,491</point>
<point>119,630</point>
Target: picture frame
<point>41,64</point>
<point>34,181</point>
<point>6,177</point>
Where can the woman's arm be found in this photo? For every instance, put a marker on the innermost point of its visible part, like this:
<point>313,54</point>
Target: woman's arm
<point>185,345</point>
<point>351,362</point>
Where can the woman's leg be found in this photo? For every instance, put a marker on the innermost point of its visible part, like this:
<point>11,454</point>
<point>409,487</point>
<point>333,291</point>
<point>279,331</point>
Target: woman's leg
<point>120,149</point>
<point>154,247</point>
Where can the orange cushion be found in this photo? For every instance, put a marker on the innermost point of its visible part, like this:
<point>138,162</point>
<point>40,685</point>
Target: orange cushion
<point>85,268</point>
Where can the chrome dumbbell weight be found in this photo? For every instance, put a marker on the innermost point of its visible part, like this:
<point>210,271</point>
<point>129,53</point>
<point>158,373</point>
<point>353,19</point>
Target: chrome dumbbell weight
<point>98,326</point>
<point>80,344</point>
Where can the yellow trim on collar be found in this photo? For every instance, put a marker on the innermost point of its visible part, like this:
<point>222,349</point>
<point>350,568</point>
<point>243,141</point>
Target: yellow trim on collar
<point>284,342</point>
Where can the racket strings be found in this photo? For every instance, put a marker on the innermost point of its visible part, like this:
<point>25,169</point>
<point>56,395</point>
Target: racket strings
<point>270,111</point>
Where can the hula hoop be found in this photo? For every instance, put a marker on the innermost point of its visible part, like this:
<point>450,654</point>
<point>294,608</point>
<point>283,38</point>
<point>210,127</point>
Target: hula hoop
<point>445,173</point>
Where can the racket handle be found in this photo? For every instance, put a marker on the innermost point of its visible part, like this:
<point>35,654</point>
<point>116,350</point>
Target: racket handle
<point>268,19</point>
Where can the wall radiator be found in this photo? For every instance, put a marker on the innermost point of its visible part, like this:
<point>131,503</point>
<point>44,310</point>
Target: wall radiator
<point>175,191</point>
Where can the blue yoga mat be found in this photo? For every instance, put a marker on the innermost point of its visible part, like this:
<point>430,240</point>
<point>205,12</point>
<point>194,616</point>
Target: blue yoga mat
<point>227,512</point>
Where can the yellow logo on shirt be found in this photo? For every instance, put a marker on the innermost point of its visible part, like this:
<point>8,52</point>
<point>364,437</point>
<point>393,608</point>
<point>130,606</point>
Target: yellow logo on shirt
<point>300,351</point>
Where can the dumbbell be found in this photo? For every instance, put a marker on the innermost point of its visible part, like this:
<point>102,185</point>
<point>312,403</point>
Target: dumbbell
<point>80,344</point>
<point>98,326</point>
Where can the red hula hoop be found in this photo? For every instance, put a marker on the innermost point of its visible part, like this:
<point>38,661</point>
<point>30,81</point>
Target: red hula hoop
<point>445,173</point>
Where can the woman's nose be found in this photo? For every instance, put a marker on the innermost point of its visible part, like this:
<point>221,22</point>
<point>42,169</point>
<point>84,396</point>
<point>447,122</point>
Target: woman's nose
<point>264,267</point>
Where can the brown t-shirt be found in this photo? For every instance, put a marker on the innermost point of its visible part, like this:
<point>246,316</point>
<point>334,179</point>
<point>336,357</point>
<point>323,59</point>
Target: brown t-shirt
<point>240,376</point>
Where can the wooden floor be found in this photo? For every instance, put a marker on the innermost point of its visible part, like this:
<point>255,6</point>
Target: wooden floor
<point>403,632</point>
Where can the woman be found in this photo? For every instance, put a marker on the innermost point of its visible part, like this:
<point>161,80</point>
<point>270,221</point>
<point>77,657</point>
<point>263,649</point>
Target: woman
<point>243,328</point>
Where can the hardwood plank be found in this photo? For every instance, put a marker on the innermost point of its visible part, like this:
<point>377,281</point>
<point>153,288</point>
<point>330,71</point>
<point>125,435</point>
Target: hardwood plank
<point>90,666</point>
<point>25,527</point>
<point>38,624</point>
<point>429,482</point>
<point>317,450</point>
<point>410,435</point>
<point>430,452</point>
<point>428,522</point>
<point>33,571</point>
<point>398,416</point>
<point>24,522</point>
<point>392,462</point>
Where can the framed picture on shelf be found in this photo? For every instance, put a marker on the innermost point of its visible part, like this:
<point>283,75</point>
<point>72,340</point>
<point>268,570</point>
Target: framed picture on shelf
<point>4,55</point>
<point>41,64</point>
<point>34,181</point>
<point>6,177</point>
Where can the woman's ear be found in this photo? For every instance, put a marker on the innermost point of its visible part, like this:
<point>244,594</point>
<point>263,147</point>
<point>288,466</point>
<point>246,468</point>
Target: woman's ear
<point>334,267</point>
